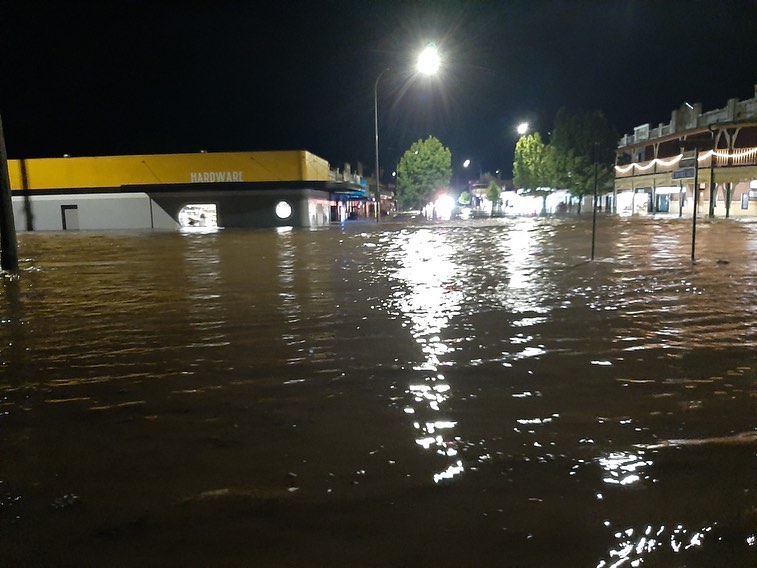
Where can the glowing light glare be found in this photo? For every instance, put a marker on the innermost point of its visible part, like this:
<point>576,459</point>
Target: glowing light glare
<point>444,206</point>
<point>199,216</point>
<point>702,157</point>
<point>522,128</point>
<point>283,210</point>
<point>672,161</point>
<point>429,60</point>
<point>466,163</point>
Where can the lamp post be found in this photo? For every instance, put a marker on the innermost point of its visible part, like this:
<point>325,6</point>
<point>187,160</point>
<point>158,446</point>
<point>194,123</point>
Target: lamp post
<point>427,64</point>
<point>376,130</point>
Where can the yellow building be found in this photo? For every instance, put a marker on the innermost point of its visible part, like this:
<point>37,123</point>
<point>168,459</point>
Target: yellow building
<point>169,191</point>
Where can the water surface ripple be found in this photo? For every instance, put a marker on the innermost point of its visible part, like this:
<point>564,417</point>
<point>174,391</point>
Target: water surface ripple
<point>431,394</point>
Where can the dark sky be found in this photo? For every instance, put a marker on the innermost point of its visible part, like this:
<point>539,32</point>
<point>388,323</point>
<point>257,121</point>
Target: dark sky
<point>122,77</point>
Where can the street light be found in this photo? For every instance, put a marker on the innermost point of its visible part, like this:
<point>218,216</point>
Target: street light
<point>429,60</point>
<point>522,128</point>
<point>428,63</point>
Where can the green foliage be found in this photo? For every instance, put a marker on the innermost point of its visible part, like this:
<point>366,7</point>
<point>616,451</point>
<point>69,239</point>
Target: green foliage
<point>578,141</point>
<point>531,168</point>
<point>494,194</point>
<point>464,198</point>
<point>423,169</point>
<point>529,163</point>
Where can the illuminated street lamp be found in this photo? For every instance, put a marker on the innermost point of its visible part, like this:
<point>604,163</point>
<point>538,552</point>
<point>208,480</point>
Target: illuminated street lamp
<point>429,60</point>
<point>428,63</point>
<point>522,128</point>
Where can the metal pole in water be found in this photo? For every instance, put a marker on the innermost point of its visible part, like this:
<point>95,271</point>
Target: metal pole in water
<point>8,245</point>
<point>696,204</point>
<point>594,201</point>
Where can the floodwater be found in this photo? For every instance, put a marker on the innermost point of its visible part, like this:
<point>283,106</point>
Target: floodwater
<point>444,394</point>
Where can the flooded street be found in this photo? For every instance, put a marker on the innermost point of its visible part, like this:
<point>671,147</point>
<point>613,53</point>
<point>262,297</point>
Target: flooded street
<point>452,394</point>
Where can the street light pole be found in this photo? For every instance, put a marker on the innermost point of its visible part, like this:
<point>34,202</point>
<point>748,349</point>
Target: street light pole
<point>376,130</point>
<point>427,64</point>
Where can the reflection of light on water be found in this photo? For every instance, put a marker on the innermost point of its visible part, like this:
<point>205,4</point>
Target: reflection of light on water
<point>444,447</point>
<point>431,298</point>
<point>623,468</point>
<point>527,353</point>
<point>520,248</point>
<point>203,264</point>
<point>453,470</point>
<point>536,420</point>
<point>529,322</point>
<point>433,395</point>
<point>634,547</point>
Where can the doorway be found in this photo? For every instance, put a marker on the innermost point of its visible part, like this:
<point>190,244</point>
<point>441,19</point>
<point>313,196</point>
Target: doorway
<point>69,217</point>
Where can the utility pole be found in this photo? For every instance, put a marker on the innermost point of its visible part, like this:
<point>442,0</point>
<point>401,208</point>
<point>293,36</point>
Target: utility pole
<point>8,245</point>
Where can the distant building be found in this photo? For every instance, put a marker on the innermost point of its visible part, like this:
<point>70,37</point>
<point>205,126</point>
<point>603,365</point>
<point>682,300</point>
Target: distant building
<point>173,191</point>
<point>656,167</point>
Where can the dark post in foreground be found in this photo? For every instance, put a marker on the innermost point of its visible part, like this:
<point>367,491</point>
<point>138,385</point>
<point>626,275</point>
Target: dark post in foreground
<point>696,204</point>
<point>594,201</point>
<point>696,144</point>
<point>8,246</point>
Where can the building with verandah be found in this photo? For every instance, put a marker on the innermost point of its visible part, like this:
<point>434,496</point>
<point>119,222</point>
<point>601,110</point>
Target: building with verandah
<point>656,167</point>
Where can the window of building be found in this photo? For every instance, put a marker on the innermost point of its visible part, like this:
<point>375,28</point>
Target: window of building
<point>198,215</point>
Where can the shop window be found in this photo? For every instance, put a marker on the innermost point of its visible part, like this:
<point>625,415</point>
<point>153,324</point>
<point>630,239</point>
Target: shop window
<point>198,215</point>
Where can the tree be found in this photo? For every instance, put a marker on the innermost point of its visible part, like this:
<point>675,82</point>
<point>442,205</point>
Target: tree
<point>464,198</point>
<point>578,141</point>
<point>423,169</point>
<point>530,169</point>
<point>494,194</point>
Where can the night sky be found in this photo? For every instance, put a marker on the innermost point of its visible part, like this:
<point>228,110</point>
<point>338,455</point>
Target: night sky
<point>134,77</point>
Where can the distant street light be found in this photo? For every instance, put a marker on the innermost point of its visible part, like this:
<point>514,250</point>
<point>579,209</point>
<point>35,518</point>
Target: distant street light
<point>428,63</point>
<point>466,163</point>
<point>522,128</point>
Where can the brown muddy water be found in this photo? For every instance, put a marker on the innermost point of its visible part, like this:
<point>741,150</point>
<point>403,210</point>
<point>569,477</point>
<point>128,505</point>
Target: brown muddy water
<point>452,394</point>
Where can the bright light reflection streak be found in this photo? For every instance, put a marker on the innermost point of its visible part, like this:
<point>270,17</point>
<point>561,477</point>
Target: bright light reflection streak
<point>429,272</point>
<point>623,468</point>
<point>635,547</point>
<point>519,248</point>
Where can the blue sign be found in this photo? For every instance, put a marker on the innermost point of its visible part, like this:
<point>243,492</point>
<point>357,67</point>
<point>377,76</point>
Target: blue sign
<point>683,173</point>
